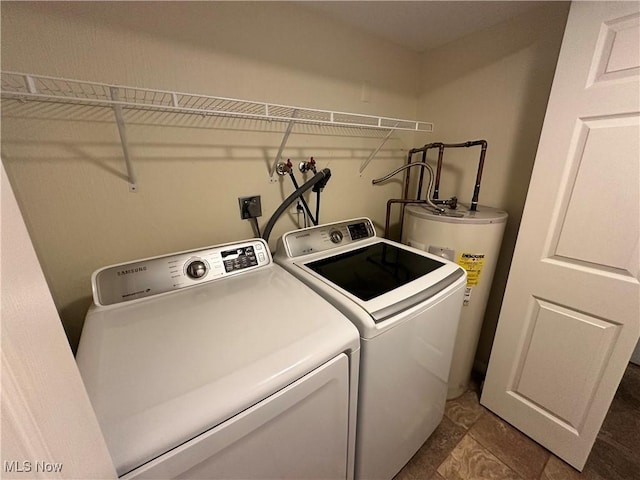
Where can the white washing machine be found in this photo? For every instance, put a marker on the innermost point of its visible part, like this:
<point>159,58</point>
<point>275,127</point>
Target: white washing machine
<point>406,304</point>
<point>216,363</point>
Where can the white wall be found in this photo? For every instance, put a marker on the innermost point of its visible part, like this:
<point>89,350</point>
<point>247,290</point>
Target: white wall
<point>66,167</point>
<point>493,85</point>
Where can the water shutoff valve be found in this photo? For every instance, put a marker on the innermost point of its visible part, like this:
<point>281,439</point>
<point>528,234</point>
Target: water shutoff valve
<point>308,166</point>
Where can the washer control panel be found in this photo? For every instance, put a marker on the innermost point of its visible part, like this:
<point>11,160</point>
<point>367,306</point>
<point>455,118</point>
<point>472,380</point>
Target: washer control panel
<point>152,276</point>
<point>326,237</point>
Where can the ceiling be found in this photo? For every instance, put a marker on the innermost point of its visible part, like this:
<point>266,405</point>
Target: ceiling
<point>421,25</point>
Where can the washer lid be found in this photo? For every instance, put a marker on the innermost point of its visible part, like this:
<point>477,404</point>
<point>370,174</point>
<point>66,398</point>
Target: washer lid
<point>162,370</point>
<point>349,282</point>
<point>383,277</point>
<point>375,269</point>
<point>375,282</point>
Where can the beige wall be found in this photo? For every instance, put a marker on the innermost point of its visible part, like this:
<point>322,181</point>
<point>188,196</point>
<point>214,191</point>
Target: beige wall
<point>66,167</point>
<point>494,85</point>
<point>66,163</point>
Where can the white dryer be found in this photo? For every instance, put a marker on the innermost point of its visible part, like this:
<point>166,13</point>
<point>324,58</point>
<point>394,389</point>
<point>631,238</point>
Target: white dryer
<point>216,363</point>
<point>406,304</point>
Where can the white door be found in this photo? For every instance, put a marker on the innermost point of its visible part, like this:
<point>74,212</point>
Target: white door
<point>571,312</point>
<point>49,429</point>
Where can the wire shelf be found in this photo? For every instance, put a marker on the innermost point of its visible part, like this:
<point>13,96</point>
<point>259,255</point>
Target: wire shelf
<point>23,87</point>
<point>51,89</point>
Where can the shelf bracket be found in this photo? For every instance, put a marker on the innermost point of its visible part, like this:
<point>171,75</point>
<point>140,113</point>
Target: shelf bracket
<point>30,84</point>
<point>375,152</point>
<point>283,143</point>
<point>117,110</point>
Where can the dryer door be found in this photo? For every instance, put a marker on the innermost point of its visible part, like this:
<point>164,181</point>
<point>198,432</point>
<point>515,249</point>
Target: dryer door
<point>300,432</point>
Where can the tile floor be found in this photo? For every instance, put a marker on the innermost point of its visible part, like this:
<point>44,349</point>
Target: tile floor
<point>472,443</point>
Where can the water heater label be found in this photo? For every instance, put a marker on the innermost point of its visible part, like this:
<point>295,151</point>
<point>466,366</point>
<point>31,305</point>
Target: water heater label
<point>467,296</point>
<point>473,263</point>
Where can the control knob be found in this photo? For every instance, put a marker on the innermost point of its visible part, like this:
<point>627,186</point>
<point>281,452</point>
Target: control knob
<point>196,269</point>
<point>335,236</point>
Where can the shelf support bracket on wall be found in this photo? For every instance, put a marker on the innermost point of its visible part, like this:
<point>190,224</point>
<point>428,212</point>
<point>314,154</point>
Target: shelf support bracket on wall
<point>117,110</point>
<point>283,144</point>
<point>30,84</point>
<point>375,152</point>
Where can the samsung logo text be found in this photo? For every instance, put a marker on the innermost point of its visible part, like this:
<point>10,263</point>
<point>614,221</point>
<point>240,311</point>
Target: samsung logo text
<point>129,271</point>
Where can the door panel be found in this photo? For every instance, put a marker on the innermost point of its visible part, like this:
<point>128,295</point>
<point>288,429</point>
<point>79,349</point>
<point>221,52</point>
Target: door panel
<point>617,54</point>
<point>616,212</point>
<point>571,312</point>
<point>46,415</point>
<point>556,331</point>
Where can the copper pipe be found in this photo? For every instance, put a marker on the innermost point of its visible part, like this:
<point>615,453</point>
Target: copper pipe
<point>436,187</point>
<point>402,201</point>
<point>421,179</point>
<point>476,189</point>
<point>428,201</point>
<point>407,177</point>
<point>424,160</point>
<point>435,180</point>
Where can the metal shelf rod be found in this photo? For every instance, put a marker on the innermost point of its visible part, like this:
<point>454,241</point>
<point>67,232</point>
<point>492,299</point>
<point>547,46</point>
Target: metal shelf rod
<point>117,110</point>
<point>200,111</point>
<point>375,152</point>
<point>23,86</point>
<point>272,170</point>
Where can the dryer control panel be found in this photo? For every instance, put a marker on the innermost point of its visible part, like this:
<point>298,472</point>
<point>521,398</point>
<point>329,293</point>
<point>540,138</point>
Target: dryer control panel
<point>328,236</point>
<point>152,276</point>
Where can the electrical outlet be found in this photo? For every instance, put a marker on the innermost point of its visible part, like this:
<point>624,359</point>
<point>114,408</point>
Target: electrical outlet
<point>250,207</point>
